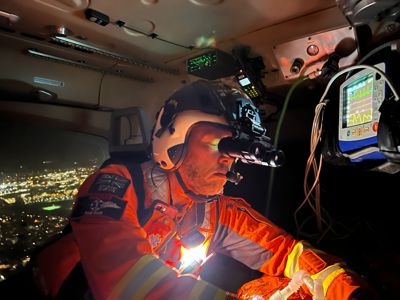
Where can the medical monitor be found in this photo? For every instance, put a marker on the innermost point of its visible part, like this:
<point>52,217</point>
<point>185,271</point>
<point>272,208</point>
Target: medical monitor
<point>361,95</point>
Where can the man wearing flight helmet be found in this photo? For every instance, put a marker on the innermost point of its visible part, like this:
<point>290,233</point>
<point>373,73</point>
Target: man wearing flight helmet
<point>134,235</point>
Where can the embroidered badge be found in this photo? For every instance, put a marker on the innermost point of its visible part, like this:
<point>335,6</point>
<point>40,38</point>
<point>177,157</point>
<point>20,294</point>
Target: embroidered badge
<point>110,183</point>
<point>113,208</point>
<point>154,239</point>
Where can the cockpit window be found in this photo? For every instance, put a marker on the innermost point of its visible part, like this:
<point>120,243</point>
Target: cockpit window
<point>41,169</point>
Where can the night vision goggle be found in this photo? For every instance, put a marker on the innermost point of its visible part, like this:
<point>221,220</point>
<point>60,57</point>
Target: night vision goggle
<point>249,142</point>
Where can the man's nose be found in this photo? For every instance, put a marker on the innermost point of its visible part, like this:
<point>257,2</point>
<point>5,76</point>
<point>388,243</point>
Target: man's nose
<point>225,159</point>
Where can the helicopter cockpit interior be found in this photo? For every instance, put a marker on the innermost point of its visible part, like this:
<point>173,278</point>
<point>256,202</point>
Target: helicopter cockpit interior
<point>81,80</point>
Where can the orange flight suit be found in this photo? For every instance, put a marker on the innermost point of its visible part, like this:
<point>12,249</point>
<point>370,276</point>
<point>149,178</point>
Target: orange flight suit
<point>124,260</point>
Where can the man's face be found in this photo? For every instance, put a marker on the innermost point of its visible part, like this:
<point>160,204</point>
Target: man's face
<point>204,167</point>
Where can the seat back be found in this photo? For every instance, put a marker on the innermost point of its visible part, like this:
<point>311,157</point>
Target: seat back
<point>129,134</point>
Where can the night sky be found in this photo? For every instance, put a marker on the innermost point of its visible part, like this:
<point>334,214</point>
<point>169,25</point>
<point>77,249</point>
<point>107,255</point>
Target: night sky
<point>28,145</point>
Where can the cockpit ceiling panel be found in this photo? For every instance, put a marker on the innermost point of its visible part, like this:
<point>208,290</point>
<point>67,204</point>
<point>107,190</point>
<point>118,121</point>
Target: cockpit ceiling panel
<point>184,23</point>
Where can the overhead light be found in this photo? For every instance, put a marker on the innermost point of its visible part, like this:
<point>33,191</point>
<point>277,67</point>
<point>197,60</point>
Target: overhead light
<point>59,59</point>
<point>59,30</point>
<point>68,41</point>
<point>149,2</point>
<point>206,2</point>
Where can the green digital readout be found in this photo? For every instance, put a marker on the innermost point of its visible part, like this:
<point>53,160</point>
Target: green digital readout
<point>357,107</point>
<point>202,61</point>
<point>214,64</point>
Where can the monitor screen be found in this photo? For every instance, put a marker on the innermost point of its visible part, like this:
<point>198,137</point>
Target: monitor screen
<point>358,101</point>
<point>361,96</point>
<point>245,81</point>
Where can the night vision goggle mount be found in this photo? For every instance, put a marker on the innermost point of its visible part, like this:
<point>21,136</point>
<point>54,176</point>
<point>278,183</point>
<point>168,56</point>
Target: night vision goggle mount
<point>249,143</point>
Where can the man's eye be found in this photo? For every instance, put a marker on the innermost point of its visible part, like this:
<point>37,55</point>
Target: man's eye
<point>214,144</point>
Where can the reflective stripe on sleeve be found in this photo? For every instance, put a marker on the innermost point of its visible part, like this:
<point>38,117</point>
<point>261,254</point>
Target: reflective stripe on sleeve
<point>141,278</point>
<point>292,264</point>
<point>327,275</point>
<point>205,291</point>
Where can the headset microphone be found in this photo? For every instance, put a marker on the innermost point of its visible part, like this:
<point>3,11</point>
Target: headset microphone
<point>234,177</point>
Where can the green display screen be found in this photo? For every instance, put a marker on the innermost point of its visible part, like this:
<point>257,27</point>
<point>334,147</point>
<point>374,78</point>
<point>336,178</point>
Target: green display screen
<point>358,98</point>
<point>201,62</point>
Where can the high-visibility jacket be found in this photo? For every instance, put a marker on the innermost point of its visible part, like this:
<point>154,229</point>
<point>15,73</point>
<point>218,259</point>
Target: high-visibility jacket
<point>124,260</point>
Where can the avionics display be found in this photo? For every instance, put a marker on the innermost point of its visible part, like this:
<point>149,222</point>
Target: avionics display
<point>361,95</point>
<point>212,65</point>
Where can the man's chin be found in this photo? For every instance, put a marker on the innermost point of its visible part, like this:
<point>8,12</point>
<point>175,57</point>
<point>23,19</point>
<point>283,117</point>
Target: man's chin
<point>214,190</point>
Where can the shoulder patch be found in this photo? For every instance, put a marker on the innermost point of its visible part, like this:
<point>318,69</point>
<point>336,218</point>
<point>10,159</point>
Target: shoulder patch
<point>113,208</point>
<point>110,183</point>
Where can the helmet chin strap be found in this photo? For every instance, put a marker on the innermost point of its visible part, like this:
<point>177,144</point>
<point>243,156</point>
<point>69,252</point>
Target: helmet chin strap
<point>191,194</point>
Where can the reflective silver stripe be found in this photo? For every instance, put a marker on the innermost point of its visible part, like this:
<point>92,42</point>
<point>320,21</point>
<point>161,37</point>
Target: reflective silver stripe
<point>141,278</point>
<point>205,291</point>
<point>209,292</point>
<point>327,275</point>
<point>220,295</point>
<point>242,249</point>
<point>197,290</point>
<point>127,278</point>
<point>207,215</point>
<point>327,271</point>
<point>151,282</point>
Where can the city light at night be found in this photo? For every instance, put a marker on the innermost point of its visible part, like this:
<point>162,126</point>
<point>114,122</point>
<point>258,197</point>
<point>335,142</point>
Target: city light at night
<point>34,206</point>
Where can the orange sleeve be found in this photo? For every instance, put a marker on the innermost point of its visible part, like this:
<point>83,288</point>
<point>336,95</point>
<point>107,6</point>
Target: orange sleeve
<point>116,256</point>
<point>106,228</point>
<point>249,237</point>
